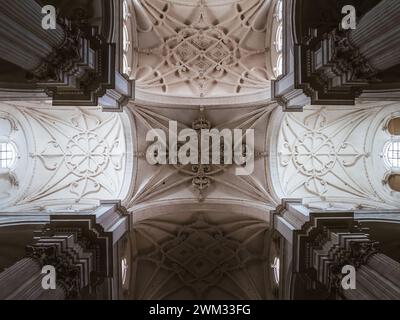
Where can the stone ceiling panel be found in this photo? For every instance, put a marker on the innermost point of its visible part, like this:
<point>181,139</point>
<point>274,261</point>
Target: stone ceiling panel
<point>204,183</point>
<point>199,256</point>
<point>201,49</point>
<point>68,159</point>
<point>333,158</point>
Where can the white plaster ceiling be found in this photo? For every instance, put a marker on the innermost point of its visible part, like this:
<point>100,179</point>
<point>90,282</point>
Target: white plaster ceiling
<point>69,158</point>
<point>201,51</point>
<point>174,184</point>
<point>332,157</point>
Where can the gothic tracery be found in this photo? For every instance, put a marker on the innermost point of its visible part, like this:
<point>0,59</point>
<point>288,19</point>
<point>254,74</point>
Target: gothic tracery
<point>79,194</point>
<point>220,51</point>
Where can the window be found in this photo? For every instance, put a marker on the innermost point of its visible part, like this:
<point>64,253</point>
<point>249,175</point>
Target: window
<point>279,65</point>
<point>394,182</point>
<point>279,9</point>
<point>276,268</point>
<point>392,154</point>
<point>394,126</point>
<point>124,270</point>
<point>127,45</point>
<point>278,41</point>
<point>8,155</point>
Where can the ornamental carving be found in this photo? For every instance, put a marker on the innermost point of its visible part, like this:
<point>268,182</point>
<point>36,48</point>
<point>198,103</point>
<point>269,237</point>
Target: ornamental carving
<point>202,180</point>
<point>58,62</point>
<point>76,157</point>
<point>348,59</point>
<point>322,155</point>
<point>221,51</point>
<point>200,257</point>
<point>355,249</point>
<point>68,274</point>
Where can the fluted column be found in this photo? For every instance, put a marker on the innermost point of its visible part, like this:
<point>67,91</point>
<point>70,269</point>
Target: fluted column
<point>386,266</point>
<point>378,279</point>
<point>23,281</point>
<point>17,276</point>
<point>377,276</point>
<point>23,41</point>
<point>377,35</point>
<point>72,263</point>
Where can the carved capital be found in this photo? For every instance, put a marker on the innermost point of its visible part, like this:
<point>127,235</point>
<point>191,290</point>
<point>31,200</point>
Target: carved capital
<point>356,255</point>
<point>348,59</point>
<point>62,58</point>
<point>68,274</point>
<point>327,243</point>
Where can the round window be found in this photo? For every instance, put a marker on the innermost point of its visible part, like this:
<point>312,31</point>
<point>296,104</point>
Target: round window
<point>8,155</point>
<point>392,154</point>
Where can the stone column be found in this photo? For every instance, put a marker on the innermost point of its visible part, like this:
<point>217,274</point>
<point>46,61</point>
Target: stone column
<point>79,247</point>
<point>72,262</point>
<point>23,281</point>
<point>23,41</point>
<point>378,279</point>
<point>18,276</point>
<point>351,59</point>
<point>377,35</point>
<point>76,64</point>
<point>377,276</point>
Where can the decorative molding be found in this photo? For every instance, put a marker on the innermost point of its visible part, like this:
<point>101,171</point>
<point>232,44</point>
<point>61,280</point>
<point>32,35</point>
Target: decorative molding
<point>328,242</point>
<point>174,180</point>
<point>79,157</point>
<point>194,59</point>
<point>322,154</point>
<point>197,258</point>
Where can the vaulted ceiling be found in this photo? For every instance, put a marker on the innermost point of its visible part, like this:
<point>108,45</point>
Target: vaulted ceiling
<point>219,183</point>
<point>333,157</point>
<point>201,49</point>
<point>68,158</point>
<point>207,256</point>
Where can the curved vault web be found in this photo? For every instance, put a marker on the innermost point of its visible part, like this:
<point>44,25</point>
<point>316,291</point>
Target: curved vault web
<point>200,50</point>
<point>68,158</point>
<point>199,256</point>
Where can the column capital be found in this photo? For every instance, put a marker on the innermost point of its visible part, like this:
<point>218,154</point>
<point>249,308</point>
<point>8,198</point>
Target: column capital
<point>72,263</point>
<point>329,66</point>
<point>328,242</point>
<point>78,63</point>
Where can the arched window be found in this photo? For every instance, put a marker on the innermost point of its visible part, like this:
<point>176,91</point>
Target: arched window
<point>124,270</point>
<point>8,155</point>
<point>127,44</point>
<point>276,268</point>
<point>278,42</point>
<point>279,39</point>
